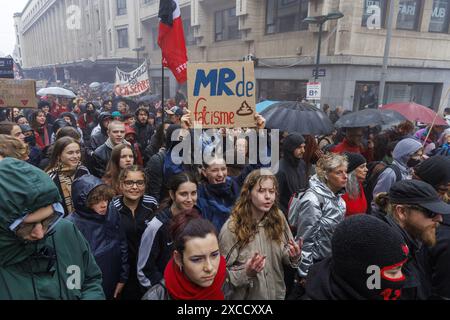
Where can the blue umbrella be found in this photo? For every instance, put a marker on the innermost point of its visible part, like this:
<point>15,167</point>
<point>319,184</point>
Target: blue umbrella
<point>260,107</point>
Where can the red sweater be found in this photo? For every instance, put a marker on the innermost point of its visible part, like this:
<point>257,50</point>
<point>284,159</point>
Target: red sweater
<point>356,206</point>
<point>345,147</point>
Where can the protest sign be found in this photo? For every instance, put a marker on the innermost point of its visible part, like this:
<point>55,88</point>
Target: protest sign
<point>222,95</point>
<point>130,84</point>
<point>17,93</point>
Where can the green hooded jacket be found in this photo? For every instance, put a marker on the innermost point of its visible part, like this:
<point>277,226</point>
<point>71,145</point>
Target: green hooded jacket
<point>58,267</point>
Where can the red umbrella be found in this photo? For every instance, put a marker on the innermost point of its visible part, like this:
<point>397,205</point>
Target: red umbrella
<point>416,112</point>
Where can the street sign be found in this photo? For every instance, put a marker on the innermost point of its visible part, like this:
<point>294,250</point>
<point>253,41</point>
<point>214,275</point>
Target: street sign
<point>313,91</point>
<point>6,68</point>
<point>322,73</point>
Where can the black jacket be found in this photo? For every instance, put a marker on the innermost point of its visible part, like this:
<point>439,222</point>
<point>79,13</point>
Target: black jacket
<point>100,160</point>
<point>143,134</point>
<point>285,171</point>
<point>155,250</point>
<point>134,227</point>
<point>437,261</point>
<point>321,284</point>
<point>154,171</point>
<point>104,234</point>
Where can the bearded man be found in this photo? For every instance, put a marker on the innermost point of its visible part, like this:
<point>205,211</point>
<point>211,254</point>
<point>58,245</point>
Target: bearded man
<point>415,210</point>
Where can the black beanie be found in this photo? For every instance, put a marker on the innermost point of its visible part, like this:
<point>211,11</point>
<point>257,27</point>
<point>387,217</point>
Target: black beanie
<point>434,170</point>
<point>362,241</point>
<point>292,142</point>
<point>354,160</point>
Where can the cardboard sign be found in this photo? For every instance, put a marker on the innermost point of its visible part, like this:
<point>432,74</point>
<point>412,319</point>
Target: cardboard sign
<point>222,95</point>
<point>17,93</point>
<point>130,84</point>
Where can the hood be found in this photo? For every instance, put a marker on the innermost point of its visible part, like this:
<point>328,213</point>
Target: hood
<point>23,189</point>
<point>59,124</point>
<point>292,142</point>
<point>102,117</point>
<point>130,130</point>
<point>322,189</point>
<point>73,120</point>
<point>81,188</point>
<point>169,143</point>
<point>405,149</point>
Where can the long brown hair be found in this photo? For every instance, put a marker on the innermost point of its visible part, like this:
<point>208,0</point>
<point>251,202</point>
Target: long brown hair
<point>58,148</point>
<point>242,223</point>
<point>113,168</point>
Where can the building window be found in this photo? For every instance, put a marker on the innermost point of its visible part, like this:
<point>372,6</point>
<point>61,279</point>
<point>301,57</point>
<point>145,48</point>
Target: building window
<point>286,15</point>
<point>439,16</point>
<point>226,25</point>
<point>409,14</point>
<point>372,7</point>
<point>121,7</point>
<point>122,36</point>
<point>281,90</point>
<point>188,32</point>
<point>366,95</point>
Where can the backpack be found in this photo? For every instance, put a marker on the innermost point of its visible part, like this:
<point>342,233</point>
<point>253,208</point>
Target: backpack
<point>376,168</point>
<point>294,208</point>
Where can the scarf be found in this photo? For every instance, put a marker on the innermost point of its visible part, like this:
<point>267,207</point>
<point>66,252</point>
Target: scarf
<point>65,175</point>
<point>181,288</point>
<point>42,137</point>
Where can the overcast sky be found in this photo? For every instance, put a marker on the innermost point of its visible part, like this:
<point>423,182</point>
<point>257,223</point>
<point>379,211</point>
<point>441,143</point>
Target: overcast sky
<point>7,33</point>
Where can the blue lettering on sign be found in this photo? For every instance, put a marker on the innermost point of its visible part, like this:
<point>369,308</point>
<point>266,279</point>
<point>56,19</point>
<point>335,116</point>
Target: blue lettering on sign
<point>218,81</point>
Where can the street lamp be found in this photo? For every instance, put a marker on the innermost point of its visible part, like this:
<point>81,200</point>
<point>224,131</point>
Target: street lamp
<point>137,50</point>
<point>320,20</point>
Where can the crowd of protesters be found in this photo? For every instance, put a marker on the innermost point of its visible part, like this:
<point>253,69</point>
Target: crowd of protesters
<point>95,185</point>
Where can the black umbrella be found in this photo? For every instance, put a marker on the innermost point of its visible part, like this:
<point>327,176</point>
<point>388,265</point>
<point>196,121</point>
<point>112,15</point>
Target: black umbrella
<point>300,117</point>
<point>369,118</point>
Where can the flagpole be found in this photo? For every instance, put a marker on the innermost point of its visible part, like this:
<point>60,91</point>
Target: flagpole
<point>162,93</point>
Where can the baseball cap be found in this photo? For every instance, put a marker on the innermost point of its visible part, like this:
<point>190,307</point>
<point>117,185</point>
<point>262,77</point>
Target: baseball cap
<point>175,111</point>
<point>416,192</point>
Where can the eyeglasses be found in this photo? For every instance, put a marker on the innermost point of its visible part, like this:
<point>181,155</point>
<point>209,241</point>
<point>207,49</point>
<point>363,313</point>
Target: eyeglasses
<point>426,212</point>
<point>131,183</point>
<point>23,229</point>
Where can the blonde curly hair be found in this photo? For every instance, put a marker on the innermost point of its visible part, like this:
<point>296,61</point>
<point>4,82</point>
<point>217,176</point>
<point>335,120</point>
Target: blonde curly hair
<point>329,162</point>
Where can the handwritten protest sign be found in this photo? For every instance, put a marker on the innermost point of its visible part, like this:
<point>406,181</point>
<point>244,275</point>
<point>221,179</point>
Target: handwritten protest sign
<point>17,93</point>
<point>130,84</point>
<point>222,95</point>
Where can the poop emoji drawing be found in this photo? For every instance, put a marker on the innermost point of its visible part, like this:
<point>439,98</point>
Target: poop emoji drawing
<point>245,109</point>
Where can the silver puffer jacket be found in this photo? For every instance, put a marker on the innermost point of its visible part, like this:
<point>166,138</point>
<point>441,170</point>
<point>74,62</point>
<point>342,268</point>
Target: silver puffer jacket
<point>320,211</point>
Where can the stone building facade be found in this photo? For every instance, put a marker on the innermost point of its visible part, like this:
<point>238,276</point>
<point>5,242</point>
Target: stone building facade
<point>271,31</point>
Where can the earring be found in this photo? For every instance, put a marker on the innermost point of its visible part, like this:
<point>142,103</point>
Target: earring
<point>181,268</point>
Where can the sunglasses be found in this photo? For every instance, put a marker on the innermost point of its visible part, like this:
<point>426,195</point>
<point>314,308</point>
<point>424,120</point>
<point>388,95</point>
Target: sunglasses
<point>426,212</point>
<point>23,229</point>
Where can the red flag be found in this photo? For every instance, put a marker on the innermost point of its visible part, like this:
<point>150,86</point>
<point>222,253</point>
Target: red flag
<point>171,39</point>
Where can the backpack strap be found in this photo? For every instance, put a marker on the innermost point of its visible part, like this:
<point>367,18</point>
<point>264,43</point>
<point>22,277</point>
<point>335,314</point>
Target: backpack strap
<point>398,173</point>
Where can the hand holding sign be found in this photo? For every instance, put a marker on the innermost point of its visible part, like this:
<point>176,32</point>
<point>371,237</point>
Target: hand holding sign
<point>222,94</point>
